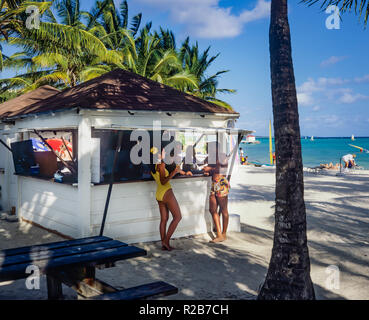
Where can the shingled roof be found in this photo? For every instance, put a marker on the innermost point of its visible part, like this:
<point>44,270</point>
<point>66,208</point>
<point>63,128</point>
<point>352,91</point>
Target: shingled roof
<point>20,104</point>
<point>119,90</point>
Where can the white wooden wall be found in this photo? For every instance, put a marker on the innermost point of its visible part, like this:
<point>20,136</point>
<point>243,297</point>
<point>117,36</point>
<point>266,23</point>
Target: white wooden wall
<point>49,204</point>
<point>77,212</point>
<point>134,216</point>
<point>8,181</point>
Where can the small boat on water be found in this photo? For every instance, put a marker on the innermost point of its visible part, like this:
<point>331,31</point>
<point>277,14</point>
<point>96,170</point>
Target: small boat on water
<point>250,139</point>
<point>352,138</point>
<point>312,138</point>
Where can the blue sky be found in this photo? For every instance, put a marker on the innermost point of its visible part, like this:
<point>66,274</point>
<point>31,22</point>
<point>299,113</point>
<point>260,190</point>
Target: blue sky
<point>331,65</point>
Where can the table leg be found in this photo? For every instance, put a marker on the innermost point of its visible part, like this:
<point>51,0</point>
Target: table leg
<point>83,281</point>
<point>54,288</point>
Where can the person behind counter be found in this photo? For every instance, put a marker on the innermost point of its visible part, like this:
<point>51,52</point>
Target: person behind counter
<point>166,199</point>
<point>190,166</point>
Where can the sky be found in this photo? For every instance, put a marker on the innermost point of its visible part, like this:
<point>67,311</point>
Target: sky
<point>331,64</point>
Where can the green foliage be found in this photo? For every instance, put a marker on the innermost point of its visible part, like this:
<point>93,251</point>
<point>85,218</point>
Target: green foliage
<point>72,46</point>
<point>12,18</point>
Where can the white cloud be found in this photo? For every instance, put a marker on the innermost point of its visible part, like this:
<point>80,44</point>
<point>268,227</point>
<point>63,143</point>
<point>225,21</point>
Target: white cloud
<point>313,91</point>
<point>362,79</point>
<point>316,121</point>
<point>351,98</point>
<point>331,61</point>
<point>305,98</point>
<point>316,108</point>
<point>206,19</point>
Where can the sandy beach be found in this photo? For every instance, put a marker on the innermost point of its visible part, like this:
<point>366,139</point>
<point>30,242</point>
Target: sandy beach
<point>338,225</point>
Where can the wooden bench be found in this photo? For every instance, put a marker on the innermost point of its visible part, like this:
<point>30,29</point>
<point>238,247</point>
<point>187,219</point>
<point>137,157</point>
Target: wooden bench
<point>73,263</point>
<point>154,289</point>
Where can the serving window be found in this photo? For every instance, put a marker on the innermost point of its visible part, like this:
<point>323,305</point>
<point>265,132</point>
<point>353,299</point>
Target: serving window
<point>53,154</point>
<point>48,155</point>
<point>188,148</point>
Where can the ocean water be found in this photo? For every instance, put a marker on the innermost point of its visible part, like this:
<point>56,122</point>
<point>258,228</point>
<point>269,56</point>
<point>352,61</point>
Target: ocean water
<point>321,150</point>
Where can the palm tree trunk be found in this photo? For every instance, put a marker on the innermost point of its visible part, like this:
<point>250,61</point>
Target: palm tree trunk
<point>288,275</point>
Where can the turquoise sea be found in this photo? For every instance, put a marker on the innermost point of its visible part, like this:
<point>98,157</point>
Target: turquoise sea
<point>321,150</point>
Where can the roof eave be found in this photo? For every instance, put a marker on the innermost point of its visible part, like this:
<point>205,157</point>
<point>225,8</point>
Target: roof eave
<point>24,116</point>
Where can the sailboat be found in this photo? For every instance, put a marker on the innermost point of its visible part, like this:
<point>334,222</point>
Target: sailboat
<point>312,138</point>
<point>352,138</point>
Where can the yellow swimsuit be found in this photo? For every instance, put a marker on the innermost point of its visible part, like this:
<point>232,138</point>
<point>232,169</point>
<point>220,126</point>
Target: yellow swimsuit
<point>162,188</point>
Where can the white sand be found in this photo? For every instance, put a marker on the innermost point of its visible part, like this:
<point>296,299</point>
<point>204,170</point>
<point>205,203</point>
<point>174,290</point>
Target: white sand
<point>338,225</point>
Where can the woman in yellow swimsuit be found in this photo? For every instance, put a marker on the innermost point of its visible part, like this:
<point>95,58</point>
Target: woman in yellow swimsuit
<point>166,201</point>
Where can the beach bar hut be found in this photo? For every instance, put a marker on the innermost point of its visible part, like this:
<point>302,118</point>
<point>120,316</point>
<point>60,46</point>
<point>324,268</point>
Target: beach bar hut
<point>88,117</point>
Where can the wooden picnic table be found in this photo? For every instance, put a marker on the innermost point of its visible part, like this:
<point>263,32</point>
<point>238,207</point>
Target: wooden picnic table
<point>73,263</point>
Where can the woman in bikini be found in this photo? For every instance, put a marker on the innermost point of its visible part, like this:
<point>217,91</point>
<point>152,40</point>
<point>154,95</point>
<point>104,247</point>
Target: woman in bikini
<point>166,200</point>
<point>219,195</point>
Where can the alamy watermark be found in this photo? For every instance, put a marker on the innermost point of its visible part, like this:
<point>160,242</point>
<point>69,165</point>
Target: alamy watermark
<point>332,281</point>
<point>161,145</point>
<point>33,280</point>
<point>333,22</point>
<point>33,19</point>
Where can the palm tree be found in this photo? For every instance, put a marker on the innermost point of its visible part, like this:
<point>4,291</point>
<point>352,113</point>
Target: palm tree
<point>11,19</point>
<point>149,58</point>
<point>74,46</point>
<point>59,54</point>
<point>198,63</point>
<point>288,274</point>
<point>151,55</point>
<point>111,24</point>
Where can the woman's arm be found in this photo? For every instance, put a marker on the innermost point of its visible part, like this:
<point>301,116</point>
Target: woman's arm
<point>208,170</point>
<point>163,178</point>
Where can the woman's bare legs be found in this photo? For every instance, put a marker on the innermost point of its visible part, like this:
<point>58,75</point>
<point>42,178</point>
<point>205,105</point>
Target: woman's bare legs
<point>223,204</point>
<point>171,203</point>
<point>164,216</point>
<point>213,205</point>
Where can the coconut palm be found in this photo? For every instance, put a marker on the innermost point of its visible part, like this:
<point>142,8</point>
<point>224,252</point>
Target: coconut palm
<point>72,46</point>
<point>148,54</point>
<point>198,63</point>
<point>288,274</point>
<point>61,69</point>
<point>12,18</point>
<point>111,23</point>
<point>149,58</point>
<point>60,54</point>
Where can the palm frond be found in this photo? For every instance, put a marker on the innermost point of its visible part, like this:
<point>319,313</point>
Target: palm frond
<point>220,103</point>
<point>135,24</point>
<point>361,7</point>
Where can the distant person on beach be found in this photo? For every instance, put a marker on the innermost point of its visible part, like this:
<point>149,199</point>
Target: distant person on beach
<point>330,166</point>
<point>349,160</point>
<point>243,158</point>
<point>166,198</point>
<point>273,155</point>
<point>219,194</point>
